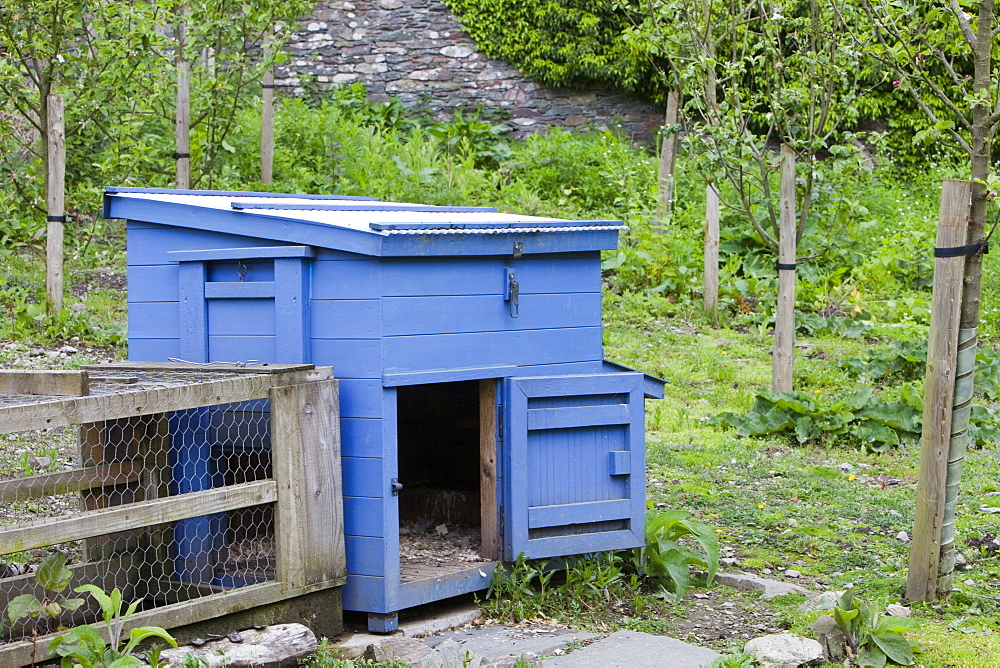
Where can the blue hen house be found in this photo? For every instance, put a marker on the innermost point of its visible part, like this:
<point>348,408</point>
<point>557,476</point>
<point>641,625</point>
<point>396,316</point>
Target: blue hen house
<point>474,393</point>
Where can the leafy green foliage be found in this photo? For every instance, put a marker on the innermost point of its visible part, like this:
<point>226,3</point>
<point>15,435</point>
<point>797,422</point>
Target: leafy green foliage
<point>666,557</point>
<point>905,361</point>
<point>28,319</point>
<point>735,660</point>
<point>562,42</point>
<point>857,417</point>
<point>608,580</point>
<point>874,639</point>
<point>54,576</point>
<point>587,585</point>
<point>85,645</point>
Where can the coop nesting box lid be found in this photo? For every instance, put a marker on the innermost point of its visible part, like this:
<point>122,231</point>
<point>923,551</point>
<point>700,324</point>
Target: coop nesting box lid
<point>361,224</point>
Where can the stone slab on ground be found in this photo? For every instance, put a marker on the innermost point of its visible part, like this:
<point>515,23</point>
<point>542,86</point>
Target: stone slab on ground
<point>749,582</point>
<point>412,652</point>
<point>631,649</point>
<point>496,643</point>
<point>439,619</point>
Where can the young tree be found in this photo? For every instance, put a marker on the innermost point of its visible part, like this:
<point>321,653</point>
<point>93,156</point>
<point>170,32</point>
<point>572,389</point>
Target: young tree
<point>683,40</point>
<point>942,56</point>
<point>63,54</point>
<point>760,74</point>
<point>219,57</point>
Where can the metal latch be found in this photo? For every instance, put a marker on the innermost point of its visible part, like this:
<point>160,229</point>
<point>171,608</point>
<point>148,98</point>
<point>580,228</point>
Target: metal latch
<point>512,293</point>
<point>396,486</point>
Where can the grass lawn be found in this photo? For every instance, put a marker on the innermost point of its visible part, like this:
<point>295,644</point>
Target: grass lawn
<point>828,510</point>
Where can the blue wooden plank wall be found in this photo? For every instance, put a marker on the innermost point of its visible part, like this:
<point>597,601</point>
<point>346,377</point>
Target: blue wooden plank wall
<point>450,313</point>
<point>346,324</point>
<point>153,285</point>
<point>365,317</point>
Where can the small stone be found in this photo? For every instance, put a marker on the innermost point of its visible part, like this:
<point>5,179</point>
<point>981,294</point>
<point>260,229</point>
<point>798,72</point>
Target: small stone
<point>845,467</point>
<point>969,582</point>
<point>792,522</point>
<point>960,561</point>
<point>40,462</point>
<point>831,639</point>
<point>895,513</point>
<point>441,529</point>
<point>784,649</point>
<point>792,573</point>
<point>903,536</point>
<point>824,601</point>
<point>897,610</point>
<point>729,561</point>
<point>766,571</point>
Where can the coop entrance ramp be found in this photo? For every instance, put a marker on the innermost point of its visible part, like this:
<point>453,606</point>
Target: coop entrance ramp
<point>197,489</point>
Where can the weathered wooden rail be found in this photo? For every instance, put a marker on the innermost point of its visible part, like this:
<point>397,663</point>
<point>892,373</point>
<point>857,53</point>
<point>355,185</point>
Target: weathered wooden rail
<point>128,501</point>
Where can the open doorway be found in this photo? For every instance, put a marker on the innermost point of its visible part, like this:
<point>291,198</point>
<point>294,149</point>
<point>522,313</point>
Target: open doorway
<point>446,464</point>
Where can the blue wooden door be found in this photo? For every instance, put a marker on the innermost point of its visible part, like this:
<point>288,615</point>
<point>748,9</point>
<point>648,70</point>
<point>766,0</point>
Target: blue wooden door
<point>573,464</point>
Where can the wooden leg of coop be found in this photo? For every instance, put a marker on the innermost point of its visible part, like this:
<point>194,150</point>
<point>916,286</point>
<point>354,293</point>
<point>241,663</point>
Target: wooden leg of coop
<point>379,623</point>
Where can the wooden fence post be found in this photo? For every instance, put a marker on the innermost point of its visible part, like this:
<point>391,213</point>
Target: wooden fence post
<point>55,195</point>
<point>711,287</point>
<point>305,458</point>
<point>939,393</point>
<point>783,357</point>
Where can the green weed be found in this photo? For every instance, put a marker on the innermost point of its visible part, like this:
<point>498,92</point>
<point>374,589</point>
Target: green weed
<point>873,639</point>
<point>666,558</point>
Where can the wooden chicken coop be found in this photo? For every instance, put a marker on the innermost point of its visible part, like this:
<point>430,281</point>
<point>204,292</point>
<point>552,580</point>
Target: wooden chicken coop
<point>479,418</point>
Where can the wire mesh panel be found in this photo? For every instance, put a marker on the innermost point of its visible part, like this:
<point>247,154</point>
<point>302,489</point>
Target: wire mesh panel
<point>157,481</point>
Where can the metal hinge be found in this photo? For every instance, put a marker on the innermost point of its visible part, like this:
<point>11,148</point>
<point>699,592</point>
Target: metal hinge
<point>396,486</point>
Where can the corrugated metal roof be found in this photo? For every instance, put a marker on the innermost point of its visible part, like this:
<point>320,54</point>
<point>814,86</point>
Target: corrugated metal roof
<point>367,215</point>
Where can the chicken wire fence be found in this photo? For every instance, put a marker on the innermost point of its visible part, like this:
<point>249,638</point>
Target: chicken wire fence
<point>157,481</point>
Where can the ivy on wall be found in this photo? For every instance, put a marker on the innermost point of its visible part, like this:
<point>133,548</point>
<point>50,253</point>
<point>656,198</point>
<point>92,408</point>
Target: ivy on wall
<point>571,43</point>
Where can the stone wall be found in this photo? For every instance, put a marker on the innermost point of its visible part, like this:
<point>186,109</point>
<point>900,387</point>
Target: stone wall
<point>416,51</point>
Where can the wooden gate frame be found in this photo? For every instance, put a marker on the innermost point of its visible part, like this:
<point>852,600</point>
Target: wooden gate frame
<point>306,484</point>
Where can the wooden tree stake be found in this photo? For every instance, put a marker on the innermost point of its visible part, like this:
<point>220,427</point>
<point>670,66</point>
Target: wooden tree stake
<point>668,155</point>
<point>56,188</point>
<point>182,113</point>
<point>939,393</point>
<point>267,115</point>
<point>783,357</point>
<point>711,287</point>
